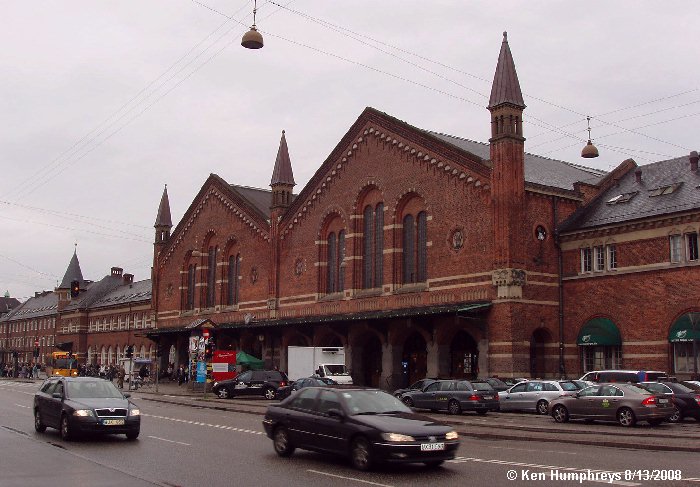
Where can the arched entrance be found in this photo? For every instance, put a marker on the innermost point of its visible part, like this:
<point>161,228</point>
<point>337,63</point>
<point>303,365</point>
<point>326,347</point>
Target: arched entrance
<point>538,361</point>
<point>464,356</point>
<point>415,358</point>
<point>372,361</point>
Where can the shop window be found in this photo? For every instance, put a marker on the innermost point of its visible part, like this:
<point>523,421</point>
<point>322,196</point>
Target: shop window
<point>601,357</point>
<point>586,259</point>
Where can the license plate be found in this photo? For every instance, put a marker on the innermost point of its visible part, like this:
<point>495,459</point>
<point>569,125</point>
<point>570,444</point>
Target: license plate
<point>488,397</point>
<point>663,401</point>
<point>432,446</point>
<point>113,422</point>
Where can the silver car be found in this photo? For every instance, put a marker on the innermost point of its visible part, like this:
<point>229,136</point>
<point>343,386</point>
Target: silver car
<point>535,395</point>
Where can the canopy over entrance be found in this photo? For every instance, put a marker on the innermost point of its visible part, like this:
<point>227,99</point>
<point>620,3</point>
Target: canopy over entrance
<point>249,361</point>
<point>683,329</point>
<point>599,331</point>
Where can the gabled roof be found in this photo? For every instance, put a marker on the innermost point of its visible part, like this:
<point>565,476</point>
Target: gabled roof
<point>163,218</point>
<point>282,173</point>
<point>136,292</point>
<point>7,304</point>
<point>73,273</point>
<point>43,304</point>
<point>620,204</point>
<point>506,88</point>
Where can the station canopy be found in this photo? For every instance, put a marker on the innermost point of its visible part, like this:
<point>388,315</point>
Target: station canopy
<point>599,331</point>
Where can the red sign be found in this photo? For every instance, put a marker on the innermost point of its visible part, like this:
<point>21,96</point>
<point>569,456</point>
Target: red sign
<point>224,365</point>
<point>36,343</point>
<point>205,332</point>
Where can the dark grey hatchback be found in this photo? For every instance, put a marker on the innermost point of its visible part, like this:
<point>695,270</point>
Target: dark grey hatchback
<point>85,405</point>
<point>368,425</point>
<point>454,396</point>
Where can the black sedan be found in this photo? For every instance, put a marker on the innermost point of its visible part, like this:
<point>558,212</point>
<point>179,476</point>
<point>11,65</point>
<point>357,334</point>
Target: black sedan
<point>369,425</point>
<point>315,381</point>
<point>416,386</point>
<point>76,405</point>
<point>686,401</point>
<point>454,396</point>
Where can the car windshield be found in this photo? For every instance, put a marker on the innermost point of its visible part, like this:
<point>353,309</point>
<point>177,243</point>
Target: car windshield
<point>93,389</point>
<point>336,369</point>
<point>373,402</point>
<point>569,386</point>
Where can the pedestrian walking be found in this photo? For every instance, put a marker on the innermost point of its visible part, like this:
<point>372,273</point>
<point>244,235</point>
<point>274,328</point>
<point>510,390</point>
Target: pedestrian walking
<point>120,377</point>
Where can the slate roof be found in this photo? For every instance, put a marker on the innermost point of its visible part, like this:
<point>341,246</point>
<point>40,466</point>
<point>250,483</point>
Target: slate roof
<point>8,304</point>
<point>259,198</point>
<point>538,170</point>
<point>73,273</point>
<point>127,293</point>
<point>658,174</point>
<point>94,292</point>
<point>43,304</point>
<point>163,218</point>
<point>505,87</point>
<point>282,174</point>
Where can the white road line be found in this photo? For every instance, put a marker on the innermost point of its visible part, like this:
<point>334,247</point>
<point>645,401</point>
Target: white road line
<point>169,441</point>
<point>543,467</point>
<point>691,479</point>
<point>529,450</point>
<point>347,478</point>
<point>23,406</point>
<point>209,425</point>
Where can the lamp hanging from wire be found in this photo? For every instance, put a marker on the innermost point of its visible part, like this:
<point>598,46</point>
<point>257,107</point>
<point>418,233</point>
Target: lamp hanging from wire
<point>252,39</point>
<point>589,151</point>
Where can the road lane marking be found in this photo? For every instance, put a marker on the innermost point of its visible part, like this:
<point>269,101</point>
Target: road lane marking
<point>529,450</point>
<point>169,441</point>
<point>23,406</point>
<point>691,479</point>
<point>198,423</point>
<point>543,467</point>
<point>347,478</point>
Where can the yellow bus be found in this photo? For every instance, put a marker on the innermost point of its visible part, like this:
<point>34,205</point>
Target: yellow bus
<point>64,363</point>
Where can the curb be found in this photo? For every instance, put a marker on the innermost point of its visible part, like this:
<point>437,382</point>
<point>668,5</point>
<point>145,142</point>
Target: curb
<point>485,435</point>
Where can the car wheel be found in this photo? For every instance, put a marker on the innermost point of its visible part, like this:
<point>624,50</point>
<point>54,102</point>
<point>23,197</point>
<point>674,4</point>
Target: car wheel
<point>280,440</point>
<point>132,435</point>
<point>222,393</point>
<point>560,414</point>
<point>269,393</point>
<point>655,422</point>
<point>676,417</point>
<point>408,402</point>
<point>361,454</point>
<point>625,417</point>
<point>453,407</point>
<point>434,464</point>
<point>39,426</point>
<point>66,432</point>
<point>542,407</point>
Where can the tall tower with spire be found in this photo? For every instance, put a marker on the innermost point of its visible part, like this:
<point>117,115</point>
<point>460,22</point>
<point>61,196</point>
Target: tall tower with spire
<point>282,184</point>
<point>508,174</point>
<point>73,274</point>
<point>163,221</point>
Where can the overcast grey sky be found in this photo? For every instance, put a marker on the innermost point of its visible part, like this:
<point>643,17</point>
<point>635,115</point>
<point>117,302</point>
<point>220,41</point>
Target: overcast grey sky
<point>102,102</point>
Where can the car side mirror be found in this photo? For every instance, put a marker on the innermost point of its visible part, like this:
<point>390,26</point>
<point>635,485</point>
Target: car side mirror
<point>57,395</point>
<point>126,395</point>
<point>335,413</point>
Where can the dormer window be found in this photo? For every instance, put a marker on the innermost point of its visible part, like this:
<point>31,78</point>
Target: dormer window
<point>622,198</point>
<point>662,190</point>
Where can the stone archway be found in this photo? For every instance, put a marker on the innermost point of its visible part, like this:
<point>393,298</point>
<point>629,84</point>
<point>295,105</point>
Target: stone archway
<point>370,370</point>
<point>538,350</point>
<point>414,363</point>
<point>464,356</point>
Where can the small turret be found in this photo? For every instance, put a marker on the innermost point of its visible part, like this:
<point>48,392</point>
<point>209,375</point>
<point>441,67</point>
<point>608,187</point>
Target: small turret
<point>163,221</point>
<point>282,181</point>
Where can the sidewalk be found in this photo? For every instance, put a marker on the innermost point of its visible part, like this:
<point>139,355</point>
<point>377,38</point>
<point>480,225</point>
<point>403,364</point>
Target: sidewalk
<point>682,437</point>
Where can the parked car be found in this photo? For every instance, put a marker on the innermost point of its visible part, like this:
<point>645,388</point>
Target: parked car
<point>686,401</point>
<point>416,386</point>
<point>368,425</point>
<point>75,405</point>
<point>624,403</point>
<point>314,381</point>
<point>512,381</point>
<point>692,384</point>
<point>497,384</point>
<point>632,376</point>
<point>454,396</point>
<point>535,395</point>
<point>251,383</point>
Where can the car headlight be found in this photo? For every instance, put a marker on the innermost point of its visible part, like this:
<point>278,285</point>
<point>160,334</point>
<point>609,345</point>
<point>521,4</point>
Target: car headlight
<point>134,412</point>
<point>83,412</point>
<point>396,437</point>
<point>452,435</point>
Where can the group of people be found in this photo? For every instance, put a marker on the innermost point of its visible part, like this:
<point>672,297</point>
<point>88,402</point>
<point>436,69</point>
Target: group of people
<point>23,370</point>
<point>181,374</point>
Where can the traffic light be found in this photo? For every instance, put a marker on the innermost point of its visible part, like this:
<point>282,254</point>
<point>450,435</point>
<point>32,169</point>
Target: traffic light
<point>208,349</point>
<point>74,289</point>
<point>129,352</point>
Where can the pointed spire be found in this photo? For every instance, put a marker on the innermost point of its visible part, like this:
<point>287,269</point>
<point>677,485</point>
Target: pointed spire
<point>73,273</point>
<point>163,219</point>
<point>505,88</point>
<point>283,165</point>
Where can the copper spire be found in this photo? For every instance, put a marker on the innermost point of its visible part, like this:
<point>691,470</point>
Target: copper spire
<point>505,88</point>
<point>163,219</point>
<point>282,173</point>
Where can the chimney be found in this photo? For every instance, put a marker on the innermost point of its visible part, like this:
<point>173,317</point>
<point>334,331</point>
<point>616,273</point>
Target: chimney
<point>117,271</point>
<point>694,161</point>
<point>128,278</point>
<point>638,175</point>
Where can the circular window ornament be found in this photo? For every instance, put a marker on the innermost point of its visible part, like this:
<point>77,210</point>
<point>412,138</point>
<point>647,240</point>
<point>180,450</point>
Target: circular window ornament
<point>540,233</point>
<point>456,239</point>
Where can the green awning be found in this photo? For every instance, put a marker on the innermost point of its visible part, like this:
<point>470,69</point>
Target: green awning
<point>472,307</point>
<point>683,330</point>
<point>599,331</point>
<point>251,362</point>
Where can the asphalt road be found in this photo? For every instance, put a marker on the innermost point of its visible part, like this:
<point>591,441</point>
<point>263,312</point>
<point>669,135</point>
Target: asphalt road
<point>187,446</point>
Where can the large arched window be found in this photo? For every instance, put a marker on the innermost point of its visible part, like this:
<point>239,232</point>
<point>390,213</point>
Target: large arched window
<point>191,280</point>
<point>234,271</point>
<point>373,247</point>
<point>335,254</point>
<point>415,248</point>
<point>211,277</point>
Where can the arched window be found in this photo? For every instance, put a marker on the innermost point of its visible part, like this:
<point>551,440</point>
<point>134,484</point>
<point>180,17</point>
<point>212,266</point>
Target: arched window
<point>191,279</point>
<point>340,286</point>
<point>234,270</point>
<point>373,247</point>
<point>368,254</point>
<point>379,245</point>
<point>415,248</point>
<point>211,277</point>
<point>331,269</point>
